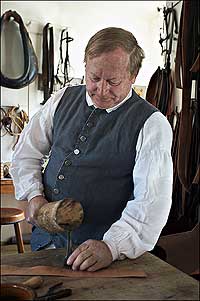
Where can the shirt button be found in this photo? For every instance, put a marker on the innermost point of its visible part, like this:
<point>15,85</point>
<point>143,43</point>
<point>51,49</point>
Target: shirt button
<point>83,138</point>
<point>89,124</point>
<point>56,191</point>
<point>76,151</point>
<point>68,162</point>
<point>61,177</point>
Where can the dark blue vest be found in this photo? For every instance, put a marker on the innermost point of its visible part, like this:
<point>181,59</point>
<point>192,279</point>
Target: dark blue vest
<point>92,160</point>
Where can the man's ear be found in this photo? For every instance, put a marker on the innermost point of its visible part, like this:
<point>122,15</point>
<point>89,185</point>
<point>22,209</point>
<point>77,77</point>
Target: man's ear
<point>133,78</point>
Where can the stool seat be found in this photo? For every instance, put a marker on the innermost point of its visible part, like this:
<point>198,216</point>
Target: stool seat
<point>14,216</point>
<point>11,215</point>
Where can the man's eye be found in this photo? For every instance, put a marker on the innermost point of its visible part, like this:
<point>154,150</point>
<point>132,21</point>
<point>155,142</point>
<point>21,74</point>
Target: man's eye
<point>95,79</point>
<point>114,83</point>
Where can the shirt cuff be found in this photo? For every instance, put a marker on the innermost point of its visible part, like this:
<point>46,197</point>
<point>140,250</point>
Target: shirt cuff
<point>34,194</point>
<point>113,249</point>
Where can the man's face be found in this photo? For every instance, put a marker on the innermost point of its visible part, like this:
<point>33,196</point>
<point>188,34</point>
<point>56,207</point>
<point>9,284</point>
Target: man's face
<point>108,79</point>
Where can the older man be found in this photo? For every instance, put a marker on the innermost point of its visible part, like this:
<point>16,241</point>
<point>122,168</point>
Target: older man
<point>109,149</point>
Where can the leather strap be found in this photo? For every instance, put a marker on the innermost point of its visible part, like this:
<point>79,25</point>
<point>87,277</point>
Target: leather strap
<point>57,271</point>
<point>186,147</point>
<point>187,42</point>
<point>48,61</point>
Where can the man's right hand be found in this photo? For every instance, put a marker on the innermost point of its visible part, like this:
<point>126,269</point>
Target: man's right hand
<point>33,207</point>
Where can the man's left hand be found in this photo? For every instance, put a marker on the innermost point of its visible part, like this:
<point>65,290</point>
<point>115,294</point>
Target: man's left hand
<point>91,255</point>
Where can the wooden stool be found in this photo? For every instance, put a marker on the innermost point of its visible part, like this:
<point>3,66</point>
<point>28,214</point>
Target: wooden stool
<point>14,216</point>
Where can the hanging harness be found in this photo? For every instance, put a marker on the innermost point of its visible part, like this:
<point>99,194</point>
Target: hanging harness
<point>64,63</point>
<point>187,75</point>
<point>159,91</point>
<point>51,82</point>
<point>186,132</point>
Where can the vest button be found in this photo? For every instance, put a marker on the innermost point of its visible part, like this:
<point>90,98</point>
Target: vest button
<point>89,124</point>
<point>76,151</point>
<point>68,162</point>
<point>83,138</point>
<point>56,191</point>
<point>61,177</point>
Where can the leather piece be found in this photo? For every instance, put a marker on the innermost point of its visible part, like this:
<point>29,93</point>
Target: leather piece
<point>58,271</point>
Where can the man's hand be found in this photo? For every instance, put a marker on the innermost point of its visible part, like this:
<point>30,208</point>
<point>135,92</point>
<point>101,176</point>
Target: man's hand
<point>32,209</point>
<point>91,255</point>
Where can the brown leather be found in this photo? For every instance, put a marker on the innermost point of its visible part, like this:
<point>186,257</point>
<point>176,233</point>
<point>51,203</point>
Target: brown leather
<point>154,89</point>
<point>185,61</point>
<point>186,150</point>
<point>57,271</point>
<point>159,90</point>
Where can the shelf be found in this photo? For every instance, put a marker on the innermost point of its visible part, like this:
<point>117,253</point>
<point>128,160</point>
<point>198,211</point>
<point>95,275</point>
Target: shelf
<point>7,186</point>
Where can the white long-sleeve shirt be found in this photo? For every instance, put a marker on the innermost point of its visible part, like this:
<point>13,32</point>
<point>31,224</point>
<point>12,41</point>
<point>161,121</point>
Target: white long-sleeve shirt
<point>143,218</point>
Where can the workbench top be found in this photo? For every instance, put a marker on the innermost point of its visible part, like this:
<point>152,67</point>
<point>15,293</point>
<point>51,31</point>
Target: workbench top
<point>163,281</point>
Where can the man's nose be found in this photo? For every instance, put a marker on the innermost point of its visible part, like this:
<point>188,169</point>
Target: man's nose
<point>103,87</point>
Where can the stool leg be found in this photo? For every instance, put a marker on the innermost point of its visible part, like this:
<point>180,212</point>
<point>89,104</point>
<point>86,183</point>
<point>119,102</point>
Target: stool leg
<point>20,244</point>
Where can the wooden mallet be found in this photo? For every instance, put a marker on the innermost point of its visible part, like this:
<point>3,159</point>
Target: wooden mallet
<point>61,216</point>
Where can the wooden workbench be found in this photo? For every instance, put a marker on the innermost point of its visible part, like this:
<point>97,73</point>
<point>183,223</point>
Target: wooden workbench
<point>163,281</point>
